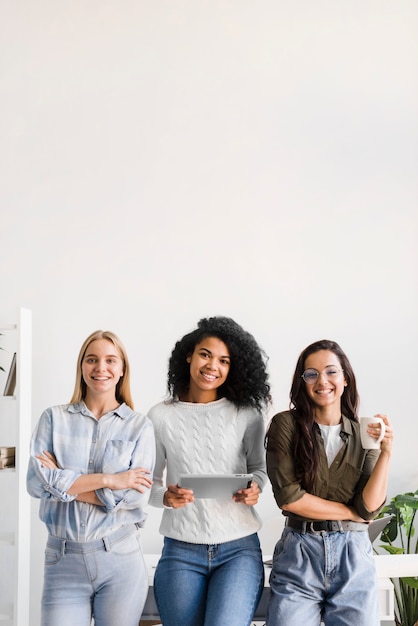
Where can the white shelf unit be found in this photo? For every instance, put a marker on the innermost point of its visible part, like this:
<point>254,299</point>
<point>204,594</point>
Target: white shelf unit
<point>15,430</point>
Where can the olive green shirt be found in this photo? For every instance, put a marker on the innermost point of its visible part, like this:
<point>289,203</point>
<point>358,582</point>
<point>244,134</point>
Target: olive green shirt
<point>342,482</point>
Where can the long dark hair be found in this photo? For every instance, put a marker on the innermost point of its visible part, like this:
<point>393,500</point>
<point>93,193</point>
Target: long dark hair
<point>247,381</point>
<point>303,410</point>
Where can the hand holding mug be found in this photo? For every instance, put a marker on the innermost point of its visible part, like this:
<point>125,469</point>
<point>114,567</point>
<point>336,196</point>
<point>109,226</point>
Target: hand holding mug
<point>372,440</point>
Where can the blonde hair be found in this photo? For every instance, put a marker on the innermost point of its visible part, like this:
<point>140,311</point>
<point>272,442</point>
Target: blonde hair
<point>123,388</point>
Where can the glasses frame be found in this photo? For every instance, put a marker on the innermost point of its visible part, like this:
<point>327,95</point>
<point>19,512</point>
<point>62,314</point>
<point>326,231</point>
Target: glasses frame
<point>312,369</point>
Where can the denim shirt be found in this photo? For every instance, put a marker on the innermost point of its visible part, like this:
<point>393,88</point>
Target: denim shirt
<point>120,440</point>
<point>342,482</point>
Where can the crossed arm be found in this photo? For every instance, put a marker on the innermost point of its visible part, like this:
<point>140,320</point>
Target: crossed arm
<point>85,486</point>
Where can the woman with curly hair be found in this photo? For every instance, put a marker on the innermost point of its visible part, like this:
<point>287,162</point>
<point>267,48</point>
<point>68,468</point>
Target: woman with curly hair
<point>328,487</point>
<point>211,570</point>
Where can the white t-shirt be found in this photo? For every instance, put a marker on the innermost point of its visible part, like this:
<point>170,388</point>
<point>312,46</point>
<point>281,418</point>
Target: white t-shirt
<point>332,440</point>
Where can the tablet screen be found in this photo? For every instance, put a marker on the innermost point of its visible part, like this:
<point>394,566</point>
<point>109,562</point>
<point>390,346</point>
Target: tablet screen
<point>215,485</point>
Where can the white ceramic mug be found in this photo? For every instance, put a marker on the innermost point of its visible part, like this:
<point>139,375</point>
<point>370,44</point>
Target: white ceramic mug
<point>367,441</point>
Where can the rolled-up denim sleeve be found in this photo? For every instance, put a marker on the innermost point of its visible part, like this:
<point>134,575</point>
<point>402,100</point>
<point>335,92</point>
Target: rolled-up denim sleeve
<point>280,460</point>
<point>42,482</point>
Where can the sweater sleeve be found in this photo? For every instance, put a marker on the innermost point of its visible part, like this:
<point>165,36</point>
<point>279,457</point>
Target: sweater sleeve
<point>158,488</point>
<point>254,449</point>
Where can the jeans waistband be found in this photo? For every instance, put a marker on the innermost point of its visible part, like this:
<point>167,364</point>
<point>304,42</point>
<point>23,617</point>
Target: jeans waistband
<point>105,543</point>
<point>329,526</point>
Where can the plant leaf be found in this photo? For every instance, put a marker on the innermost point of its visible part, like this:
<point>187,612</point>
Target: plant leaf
<point>390,533</point>
<point>393,549</point>
<point>411,582</point>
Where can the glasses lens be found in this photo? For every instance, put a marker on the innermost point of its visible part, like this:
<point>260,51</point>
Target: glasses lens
<point>310,376</point>
<point>331,371</point>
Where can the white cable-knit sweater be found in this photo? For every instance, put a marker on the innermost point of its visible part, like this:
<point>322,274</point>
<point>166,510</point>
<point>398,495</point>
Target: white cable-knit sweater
<point>214,438</point>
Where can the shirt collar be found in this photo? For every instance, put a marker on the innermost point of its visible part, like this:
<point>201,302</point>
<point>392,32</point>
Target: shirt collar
<point>123,411</point>
<point>346,425</point>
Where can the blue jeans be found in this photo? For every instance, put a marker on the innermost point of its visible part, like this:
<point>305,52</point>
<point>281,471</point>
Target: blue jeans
<point>329,574</point>
<point>106,579</point>
<point>209,585</point>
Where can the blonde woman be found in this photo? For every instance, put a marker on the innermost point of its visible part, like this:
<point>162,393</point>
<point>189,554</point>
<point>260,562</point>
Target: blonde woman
<point>91,466</point>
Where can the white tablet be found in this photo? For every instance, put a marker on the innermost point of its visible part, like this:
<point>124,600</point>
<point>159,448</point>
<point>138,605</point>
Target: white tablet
<point>377,526</point>
<point>215,485</point>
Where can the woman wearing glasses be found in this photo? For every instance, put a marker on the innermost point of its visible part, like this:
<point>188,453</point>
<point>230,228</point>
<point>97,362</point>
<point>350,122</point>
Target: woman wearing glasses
<point>329,488</point>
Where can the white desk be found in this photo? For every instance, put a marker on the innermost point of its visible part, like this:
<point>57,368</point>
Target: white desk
<point>387,566</point>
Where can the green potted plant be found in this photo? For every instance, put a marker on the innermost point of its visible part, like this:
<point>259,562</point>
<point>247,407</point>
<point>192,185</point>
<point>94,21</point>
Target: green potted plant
<point>399,538</point>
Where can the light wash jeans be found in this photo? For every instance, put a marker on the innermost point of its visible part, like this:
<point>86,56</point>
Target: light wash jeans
<point>105,579</point>
<point>328,574</point>
<point>209,585</point>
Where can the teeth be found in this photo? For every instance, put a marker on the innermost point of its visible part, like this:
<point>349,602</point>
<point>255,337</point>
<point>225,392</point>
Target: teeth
<point>208,377</point>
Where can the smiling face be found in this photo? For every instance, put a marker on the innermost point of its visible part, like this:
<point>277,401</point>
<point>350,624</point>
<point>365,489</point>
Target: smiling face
<point>210,363</point>
<point>102,367</point>
<point>326,392</point>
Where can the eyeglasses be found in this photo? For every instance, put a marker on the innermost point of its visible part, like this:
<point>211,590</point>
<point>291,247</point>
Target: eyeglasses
<point>310,376</point>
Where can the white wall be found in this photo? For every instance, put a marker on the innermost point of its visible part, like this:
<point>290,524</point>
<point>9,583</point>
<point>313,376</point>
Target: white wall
<point>166,160</point>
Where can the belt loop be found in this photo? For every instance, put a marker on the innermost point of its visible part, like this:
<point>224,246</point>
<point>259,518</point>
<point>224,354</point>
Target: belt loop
<point>63,544</point>
<point>106,544</point>
<point>311,528</point>
<point>340,526</point>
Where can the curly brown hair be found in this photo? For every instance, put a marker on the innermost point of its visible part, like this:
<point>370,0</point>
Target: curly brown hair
<point>247,382</point>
